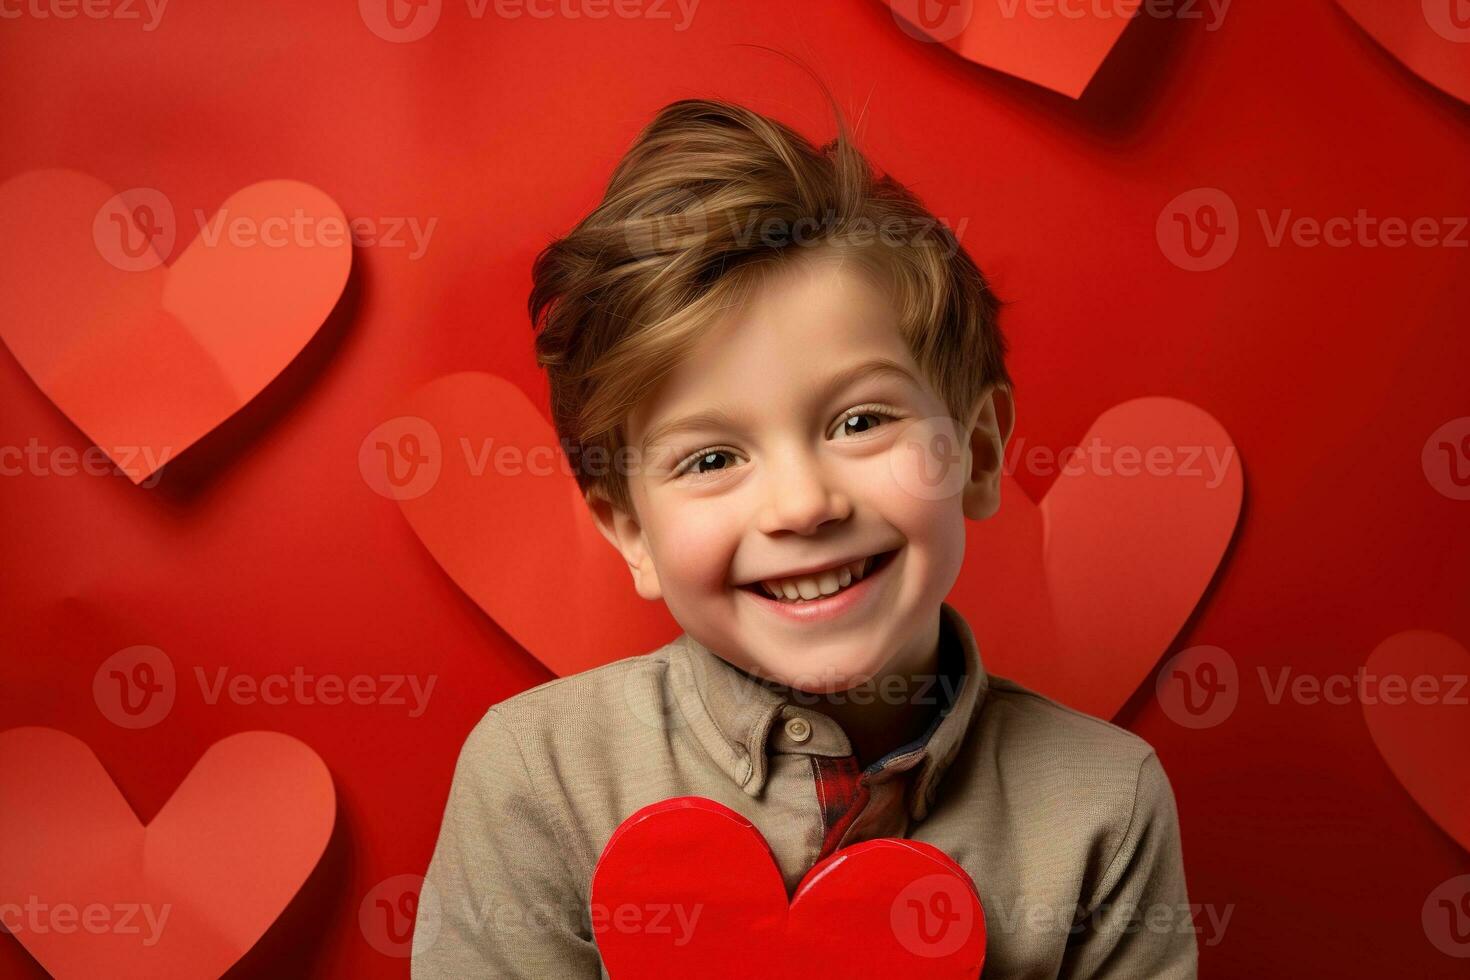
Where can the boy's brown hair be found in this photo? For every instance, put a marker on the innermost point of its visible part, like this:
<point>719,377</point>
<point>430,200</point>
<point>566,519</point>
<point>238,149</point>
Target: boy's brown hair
<point>707,198</point>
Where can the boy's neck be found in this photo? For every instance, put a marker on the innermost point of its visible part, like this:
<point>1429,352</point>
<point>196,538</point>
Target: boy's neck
<point>890,713</point>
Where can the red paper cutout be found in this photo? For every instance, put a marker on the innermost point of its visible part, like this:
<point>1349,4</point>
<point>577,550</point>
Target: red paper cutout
<point>203,881</point>
<point>522,546</point>
<point>1078,597</point>
<point>1042,43</point>
<point>1431,37</point>
<point>688,888</point>
<point>146,358</point>
<point>1424,734</point>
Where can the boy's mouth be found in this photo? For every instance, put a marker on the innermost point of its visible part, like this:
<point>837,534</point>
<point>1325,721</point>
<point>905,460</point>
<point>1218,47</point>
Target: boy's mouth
<point>822,584</point>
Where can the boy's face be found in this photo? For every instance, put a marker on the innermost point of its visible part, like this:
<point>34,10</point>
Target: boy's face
<point>813,463</point>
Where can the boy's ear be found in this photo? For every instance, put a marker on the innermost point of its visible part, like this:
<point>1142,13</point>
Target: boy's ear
<point>624,533</point>
<point>990,429</point>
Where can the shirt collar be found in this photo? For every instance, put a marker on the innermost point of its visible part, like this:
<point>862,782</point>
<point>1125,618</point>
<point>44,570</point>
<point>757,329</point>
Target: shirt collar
<point>735,715</point>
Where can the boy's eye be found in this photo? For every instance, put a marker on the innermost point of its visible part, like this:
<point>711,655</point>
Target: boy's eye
<point>705,461</point>
<point>864,418</point>
<point>855,424</point>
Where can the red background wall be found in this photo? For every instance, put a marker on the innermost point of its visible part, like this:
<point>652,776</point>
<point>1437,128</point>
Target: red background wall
<point>263,549</point>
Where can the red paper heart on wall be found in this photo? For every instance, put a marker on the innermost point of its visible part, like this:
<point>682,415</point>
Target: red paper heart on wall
<point>146,358</point>
<point>1078,597</point>
<point>495,503</point>
<point>1431,37</point>
<point>185,896</point>
<point>688,888</point>
<point>1057,48</point>
<point>1422,725</point>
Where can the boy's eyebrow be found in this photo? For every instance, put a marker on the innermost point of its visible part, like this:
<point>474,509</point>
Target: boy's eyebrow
<point>716,419</point>
<point>877,365</point>
<point>712,419</point>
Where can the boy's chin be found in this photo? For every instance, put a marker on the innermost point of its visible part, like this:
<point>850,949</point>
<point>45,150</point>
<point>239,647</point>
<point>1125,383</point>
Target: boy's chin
<point>826,679</point>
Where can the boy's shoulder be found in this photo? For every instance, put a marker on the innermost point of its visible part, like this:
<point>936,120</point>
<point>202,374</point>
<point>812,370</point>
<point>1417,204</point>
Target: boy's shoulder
<point>1044,752</point>
<point>622,700</point>
<point>1030,717</point>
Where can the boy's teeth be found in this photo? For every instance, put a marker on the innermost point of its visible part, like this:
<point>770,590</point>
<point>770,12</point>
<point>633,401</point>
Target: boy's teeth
<point>807,587</point>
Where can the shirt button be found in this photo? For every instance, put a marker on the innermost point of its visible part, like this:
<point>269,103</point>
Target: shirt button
<point>798,729</point>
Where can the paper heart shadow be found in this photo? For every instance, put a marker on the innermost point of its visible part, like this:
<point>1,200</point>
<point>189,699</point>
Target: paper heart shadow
<point>1423,731</point>
<point>687,887</point>
<point>296,933</point>
<point>1431,38</point>
<point>1077,597</point>
<point>192,474</point>
<point>199,884</point>
<point>1144,61</point>
<point>1060,53</point>
<point>146,358</point>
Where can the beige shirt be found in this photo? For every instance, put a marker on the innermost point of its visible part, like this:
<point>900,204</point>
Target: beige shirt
<point>1065,823</point>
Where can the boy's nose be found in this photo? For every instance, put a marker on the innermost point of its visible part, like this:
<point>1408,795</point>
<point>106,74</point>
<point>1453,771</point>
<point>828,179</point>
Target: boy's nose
<point>800,496</point>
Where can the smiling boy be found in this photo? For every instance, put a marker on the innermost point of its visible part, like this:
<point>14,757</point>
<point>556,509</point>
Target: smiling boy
<point>784,346</point>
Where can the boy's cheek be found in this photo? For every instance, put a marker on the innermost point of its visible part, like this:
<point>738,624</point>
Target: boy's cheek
<point>935,556</point>
<point>933,528</point>
<point>927,463</point>
<point>913,497</point>
<point>694,549</point>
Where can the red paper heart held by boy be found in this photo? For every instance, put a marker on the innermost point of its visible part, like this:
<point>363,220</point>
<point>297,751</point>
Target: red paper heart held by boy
<point>781,399</point>
<point>882,908</point>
